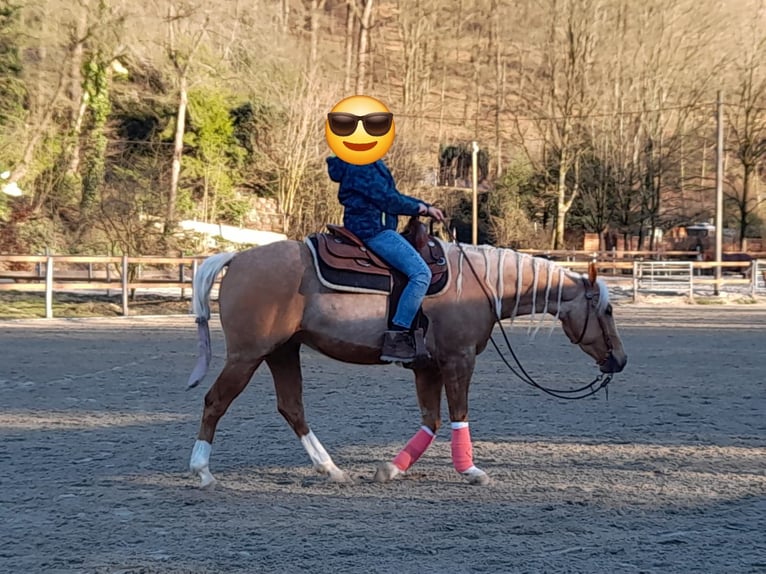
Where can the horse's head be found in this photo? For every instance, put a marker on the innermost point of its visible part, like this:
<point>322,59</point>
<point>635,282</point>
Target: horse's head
<point>588,322</point>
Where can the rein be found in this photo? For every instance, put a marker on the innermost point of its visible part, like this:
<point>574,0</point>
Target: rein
<point>600,382</point>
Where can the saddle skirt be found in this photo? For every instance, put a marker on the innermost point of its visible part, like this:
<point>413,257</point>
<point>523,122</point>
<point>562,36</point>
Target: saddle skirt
<point>343,263</point>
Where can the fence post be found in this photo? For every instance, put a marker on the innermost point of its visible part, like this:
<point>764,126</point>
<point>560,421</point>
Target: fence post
<point>108,278</point>
<point>635,281</point>
<point>125,285</point>
<point>195,264</point>
<point>49,288</point>
<point>753,277</point>
<point>691,282</point>
<point>181,279</point>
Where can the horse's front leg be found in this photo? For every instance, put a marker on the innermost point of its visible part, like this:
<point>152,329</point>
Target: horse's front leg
<point>285,367</point>
<point>429,389</point>
<point>457,370</point>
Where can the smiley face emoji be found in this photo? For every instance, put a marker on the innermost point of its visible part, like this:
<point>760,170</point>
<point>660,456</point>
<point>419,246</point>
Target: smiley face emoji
<point>360,129</point>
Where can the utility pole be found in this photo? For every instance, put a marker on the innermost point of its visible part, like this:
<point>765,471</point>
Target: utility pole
<point>719,192</point>
<point>475,185</point>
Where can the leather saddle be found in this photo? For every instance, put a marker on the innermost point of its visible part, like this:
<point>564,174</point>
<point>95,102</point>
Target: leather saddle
<point>345,263</point>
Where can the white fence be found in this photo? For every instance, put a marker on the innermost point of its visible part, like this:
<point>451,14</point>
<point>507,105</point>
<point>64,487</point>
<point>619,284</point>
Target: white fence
<point>663,277</point>
<point>759,278</point>
<point>686,277</point>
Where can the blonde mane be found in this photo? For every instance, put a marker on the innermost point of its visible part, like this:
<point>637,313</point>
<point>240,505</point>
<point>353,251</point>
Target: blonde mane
<point>493,259</point>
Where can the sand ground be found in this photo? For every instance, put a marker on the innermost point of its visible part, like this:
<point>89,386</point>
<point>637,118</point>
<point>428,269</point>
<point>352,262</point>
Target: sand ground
<point>668,475</point>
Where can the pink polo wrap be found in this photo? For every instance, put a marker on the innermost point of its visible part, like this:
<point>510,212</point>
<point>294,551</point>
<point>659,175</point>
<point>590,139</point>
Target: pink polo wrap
<point>414,449</point>
<point>462,449</point>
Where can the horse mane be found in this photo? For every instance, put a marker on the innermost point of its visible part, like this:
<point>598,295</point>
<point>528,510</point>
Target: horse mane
<point>497,290</point>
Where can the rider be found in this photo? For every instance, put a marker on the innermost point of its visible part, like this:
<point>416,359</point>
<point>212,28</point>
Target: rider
<point>371,204</point>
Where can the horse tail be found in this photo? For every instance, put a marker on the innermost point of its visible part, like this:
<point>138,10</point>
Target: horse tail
<point>203,284</point>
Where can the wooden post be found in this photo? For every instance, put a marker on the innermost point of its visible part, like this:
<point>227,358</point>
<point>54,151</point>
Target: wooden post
<point>125,285</point>
<point>475,186</point>
<point>195,265</point>
<point>635,281</point>
<point>691,282</point>
<point>181,279</point>
<point>108,278</point>
<point>719,192</point>
<point>49,288</point>
<point>754,277</point>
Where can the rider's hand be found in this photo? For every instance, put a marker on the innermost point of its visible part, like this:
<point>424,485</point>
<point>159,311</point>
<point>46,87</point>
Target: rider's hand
<point>435,212</point>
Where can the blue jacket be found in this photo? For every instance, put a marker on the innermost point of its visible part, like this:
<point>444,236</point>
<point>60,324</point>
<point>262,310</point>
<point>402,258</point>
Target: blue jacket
<point>369,197</point>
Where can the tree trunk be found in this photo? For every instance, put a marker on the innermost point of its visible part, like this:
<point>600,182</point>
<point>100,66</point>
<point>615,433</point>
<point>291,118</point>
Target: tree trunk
<point>349,47</point>
<point>364,41</point>
<point>178,148</point>
<point>75,91</point>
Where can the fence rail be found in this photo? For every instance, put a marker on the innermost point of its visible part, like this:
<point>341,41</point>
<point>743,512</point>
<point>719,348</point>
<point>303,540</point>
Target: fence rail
<point>57,273</point>
<point>96,273</point>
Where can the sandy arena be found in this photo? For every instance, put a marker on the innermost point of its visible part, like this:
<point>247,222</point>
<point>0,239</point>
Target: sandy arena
<point>668,475</point>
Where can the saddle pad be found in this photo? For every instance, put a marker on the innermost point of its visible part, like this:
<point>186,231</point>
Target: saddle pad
<point>373,279</point>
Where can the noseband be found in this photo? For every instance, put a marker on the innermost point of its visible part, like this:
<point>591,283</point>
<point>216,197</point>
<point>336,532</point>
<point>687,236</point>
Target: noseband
<point>590,294</point>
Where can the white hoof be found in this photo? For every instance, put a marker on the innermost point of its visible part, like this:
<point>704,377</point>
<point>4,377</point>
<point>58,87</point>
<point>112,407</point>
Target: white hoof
<point>476,476</point>
<point>386,472</point>
<point>207,480</point>
<point>199,463</point>
<point>333,473</point>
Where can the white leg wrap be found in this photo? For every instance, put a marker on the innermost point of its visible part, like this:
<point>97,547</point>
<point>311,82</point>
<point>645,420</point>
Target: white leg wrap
<point>320,459</point>
<point>199,462</point>
<point>200,456</point>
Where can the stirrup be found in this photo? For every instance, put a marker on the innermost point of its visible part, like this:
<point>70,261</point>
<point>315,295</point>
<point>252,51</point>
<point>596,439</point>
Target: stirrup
<point>422,356</point>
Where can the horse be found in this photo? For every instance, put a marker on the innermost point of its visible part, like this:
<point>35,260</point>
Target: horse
<point>272,301</point>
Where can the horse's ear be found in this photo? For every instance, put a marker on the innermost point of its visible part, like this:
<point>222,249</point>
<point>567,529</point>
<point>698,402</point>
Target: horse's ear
<point>592,272</point>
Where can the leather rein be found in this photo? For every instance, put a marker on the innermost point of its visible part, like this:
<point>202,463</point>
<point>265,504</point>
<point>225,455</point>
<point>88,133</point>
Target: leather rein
<point>586,390</point>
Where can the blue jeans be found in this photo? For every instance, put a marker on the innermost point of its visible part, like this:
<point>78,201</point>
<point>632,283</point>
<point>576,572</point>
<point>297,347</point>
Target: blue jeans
<point>399,254</point>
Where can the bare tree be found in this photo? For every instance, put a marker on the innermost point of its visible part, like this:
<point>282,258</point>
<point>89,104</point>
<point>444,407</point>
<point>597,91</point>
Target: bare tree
<point>363,55</point>
<point>181,55</point>
<point>747,119</point>
<point>563,80</point>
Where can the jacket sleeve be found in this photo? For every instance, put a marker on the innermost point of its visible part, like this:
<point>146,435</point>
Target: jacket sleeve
<point>371,184</point>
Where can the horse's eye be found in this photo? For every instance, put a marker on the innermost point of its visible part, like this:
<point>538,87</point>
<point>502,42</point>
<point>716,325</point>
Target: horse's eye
<point>608,310</point>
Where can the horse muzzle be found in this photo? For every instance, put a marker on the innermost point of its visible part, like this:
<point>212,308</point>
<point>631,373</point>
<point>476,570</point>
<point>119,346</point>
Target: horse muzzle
<point>613,364</point>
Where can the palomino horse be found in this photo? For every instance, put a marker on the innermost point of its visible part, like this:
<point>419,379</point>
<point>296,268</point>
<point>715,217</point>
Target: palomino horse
<point>272,302</point>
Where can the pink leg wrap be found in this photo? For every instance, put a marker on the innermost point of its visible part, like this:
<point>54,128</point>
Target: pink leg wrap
<point>462,450</point>
<point>414,449</point>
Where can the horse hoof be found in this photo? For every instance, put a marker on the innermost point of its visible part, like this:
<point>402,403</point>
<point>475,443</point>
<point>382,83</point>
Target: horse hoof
<point>207,480</point>
<point>477,477</point>
<point>340,477</point>
<point>386,472</point>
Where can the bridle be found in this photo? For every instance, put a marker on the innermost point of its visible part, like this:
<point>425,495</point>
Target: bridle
<point>590,302</point>
<point>599,382</point>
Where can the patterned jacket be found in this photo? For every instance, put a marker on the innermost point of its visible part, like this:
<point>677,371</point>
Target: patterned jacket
<point>369,197</point>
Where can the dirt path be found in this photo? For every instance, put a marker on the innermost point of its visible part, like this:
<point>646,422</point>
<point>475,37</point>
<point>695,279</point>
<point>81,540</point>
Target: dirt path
<point>667,476</point>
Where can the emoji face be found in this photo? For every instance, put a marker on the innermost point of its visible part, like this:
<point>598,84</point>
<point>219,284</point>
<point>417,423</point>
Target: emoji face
<point>360,129</point>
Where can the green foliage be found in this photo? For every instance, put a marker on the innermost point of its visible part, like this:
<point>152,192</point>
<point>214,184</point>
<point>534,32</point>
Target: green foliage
<point>213,160</point>
<point>12,90</point>
<point>508,207</point>
<point>96,86</point>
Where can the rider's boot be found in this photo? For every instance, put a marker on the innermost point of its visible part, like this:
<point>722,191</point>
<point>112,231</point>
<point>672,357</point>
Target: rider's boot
<point>398,347</point>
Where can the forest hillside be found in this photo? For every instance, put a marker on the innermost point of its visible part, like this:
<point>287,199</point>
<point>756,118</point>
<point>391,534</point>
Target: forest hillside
<point>119,119</point>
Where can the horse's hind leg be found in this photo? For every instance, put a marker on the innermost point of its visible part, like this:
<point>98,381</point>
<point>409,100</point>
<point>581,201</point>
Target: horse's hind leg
<point>229,384</point>
<point>429,389</point>
<point>285,366</point>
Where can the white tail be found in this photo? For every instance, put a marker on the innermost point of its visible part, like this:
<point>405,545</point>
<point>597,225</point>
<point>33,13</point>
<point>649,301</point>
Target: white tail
<point>203,284</point>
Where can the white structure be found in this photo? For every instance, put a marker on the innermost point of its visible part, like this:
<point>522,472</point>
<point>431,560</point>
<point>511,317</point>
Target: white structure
<point>12,188</point>
<point>231,233</point>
